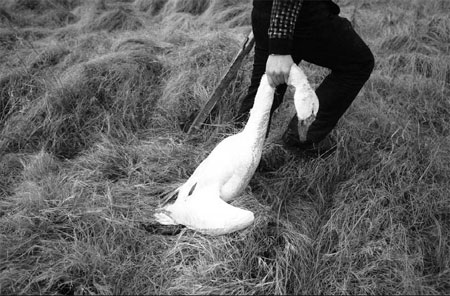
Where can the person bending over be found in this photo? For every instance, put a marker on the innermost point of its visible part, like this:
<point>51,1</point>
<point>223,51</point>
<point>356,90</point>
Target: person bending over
<point>289,31</point>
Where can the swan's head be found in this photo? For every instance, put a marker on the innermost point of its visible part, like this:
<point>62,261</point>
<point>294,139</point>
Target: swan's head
<point>305,100</point>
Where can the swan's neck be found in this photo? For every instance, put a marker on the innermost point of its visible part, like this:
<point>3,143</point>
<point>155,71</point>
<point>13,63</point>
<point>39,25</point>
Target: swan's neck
<point>258,121</point>
<point>305,98</point>
<point>303,92</point>
<point>300,82</point>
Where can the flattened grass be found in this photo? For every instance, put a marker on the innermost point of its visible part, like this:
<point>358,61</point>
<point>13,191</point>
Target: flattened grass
<point>91,140</point>
<point>109,93</point>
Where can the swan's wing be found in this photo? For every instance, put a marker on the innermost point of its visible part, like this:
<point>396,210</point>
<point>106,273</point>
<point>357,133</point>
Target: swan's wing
<point>242,176</point>
<point>220,165</point>
<point>162,215</point>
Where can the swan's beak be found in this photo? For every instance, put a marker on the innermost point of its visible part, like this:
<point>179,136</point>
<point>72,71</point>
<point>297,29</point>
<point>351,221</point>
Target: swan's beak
<point>303,126</point>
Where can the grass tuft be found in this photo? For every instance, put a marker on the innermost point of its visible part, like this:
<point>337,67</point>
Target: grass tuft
<point>17,88</point>
<point>103,94</point>
<point>229,13</point>
<point>41,5</point>
<point>119,19</point>
<point>51,56</point>
<point>139,41</point>
<point>153,7</point>
<point>201,68</point>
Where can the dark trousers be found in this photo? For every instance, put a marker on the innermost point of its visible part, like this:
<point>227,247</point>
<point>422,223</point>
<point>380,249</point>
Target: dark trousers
<point>327,40</point>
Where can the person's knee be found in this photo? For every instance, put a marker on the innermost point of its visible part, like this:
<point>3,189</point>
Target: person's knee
<point>367,65</point>
<point>357,72</point>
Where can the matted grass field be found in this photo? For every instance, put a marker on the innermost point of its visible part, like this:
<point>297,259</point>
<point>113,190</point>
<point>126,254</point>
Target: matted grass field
<point>94,97</point>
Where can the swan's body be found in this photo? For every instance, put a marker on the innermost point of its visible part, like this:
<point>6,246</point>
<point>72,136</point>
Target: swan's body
<point>223,175</point>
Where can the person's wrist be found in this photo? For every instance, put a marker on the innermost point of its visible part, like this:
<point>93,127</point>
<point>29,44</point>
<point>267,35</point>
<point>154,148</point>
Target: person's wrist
<point>280,46</point>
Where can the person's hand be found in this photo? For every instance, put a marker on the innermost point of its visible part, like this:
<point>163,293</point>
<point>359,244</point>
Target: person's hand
<point>278,68</point>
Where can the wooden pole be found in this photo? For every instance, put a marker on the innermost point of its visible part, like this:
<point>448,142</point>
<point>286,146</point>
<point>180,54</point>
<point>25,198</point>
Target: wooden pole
<point>223,84</point>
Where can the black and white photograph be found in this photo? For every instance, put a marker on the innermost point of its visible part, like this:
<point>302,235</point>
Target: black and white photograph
<point>224,147</point>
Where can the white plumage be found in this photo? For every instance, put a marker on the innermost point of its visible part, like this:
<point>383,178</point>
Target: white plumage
<point>201,203</point>
<point>202,200</point>
<point>305,100</point>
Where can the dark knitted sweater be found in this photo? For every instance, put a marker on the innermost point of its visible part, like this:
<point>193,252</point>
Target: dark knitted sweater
<point>285,15</point>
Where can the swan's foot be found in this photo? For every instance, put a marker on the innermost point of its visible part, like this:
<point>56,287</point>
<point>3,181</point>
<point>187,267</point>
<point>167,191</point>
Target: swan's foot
<point>156,228</point>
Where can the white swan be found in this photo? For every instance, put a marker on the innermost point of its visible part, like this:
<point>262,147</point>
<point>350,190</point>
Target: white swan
<point>202,200</point>
<point>201,203</point>
<point>305,100</point>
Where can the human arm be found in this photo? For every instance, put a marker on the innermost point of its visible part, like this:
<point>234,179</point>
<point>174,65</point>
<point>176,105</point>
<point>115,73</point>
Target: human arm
<point>281,33</point>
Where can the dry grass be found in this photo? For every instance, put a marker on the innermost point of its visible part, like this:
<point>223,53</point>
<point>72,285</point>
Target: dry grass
<point>186,6</point>
<point>38,13</point>
<point>114,93</point>
<point>229,13</point>
<point>120,18</point>
<point>196,72</point>
<point>92,109</point>
<point>153,7</point>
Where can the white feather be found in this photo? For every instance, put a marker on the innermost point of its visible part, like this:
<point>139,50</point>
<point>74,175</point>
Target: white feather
<point>201,203</point>
<point>223,175</point>
<point>305,99</point>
